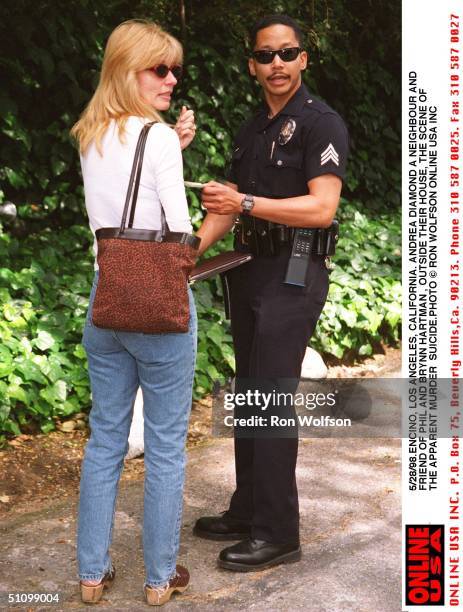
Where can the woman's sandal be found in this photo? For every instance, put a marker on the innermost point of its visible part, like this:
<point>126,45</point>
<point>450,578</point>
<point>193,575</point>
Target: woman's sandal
<point>92,593</point>
<point>157,596</point>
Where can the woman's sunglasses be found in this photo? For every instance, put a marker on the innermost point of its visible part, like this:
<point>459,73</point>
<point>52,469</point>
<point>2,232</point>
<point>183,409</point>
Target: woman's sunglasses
<point>162,70</point>
<point>288,54</point>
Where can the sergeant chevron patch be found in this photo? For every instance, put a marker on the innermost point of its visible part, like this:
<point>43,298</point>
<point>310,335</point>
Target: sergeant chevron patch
<point>329,154</point>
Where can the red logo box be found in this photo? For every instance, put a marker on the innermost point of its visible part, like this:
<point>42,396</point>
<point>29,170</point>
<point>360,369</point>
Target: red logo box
<point>424,565</point>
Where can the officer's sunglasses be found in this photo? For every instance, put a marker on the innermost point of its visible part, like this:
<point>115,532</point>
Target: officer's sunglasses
<point>162,70</point>
<point>266,56</point>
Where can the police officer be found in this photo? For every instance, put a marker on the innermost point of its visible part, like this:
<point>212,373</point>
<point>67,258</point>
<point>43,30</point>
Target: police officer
<point>286,172</point>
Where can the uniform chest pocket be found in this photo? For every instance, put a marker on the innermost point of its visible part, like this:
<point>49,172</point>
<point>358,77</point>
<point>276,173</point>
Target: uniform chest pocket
<point>282,158</point>
<point>238,153</point>
<point>236,165</point>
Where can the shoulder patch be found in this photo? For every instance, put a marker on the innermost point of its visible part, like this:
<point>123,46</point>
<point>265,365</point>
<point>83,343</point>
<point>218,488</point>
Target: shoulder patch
<point>329,154</point>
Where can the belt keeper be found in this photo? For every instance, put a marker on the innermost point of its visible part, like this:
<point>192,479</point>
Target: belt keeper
<point>321,242</point>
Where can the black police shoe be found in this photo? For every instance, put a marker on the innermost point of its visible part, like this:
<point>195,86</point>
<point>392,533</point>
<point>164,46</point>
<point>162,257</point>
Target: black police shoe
<point>221,528</point>
<point>253,555</point>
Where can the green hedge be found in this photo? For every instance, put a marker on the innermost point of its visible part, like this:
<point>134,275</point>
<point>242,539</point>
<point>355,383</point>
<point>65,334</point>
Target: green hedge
<point>364,302</point>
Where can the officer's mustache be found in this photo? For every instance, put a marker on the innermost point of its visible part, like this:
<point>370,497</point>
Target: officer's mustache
<point>278,75</point>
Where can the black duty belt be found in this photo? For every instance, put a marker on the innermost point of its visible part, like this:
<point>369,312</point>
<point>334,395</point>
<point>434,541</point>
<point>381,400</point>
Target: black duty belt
<point>262,237</point>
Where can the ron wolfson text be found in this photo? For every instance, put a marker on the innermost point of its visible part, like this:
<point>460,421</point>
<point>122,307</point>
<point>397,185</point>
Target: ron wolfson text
<point>274,420</point>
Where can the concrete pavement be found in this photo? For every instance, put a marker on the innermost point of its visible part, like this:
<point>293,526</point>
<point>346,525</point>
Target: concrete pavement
<point>350,530</point>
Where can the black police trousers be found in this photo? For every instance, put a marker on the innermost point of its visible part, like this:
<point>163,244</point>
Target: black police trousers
<point>271,323</point>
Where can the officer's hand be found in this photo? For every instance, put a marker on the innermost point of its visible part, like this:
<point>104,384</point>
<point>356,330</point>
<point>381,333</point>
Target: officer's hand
<point>185,127</point>
<point>220,199</point>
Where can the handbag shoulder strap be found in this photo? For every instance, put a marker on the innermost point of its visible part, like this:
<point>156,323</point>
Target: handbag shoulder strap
<point>134,184</point>
<point>134,181</point>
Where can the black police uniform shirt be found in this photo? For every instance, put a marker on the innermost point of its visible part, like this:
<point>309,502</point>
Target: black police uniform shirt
<point>275,158</point>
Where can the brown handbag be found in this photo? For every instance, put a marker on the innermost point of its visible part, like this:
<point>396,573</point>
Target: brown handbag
<point>143,278</point>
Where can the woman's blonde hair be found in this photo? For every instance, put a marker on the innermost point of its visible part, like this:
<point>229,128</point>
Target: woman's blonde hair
<point>133,46</point>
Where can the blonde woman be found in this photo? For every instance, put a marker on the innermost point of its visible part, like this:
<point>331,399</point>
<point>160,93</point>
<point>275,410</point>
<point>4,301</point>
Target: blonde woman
<point>141,67</point>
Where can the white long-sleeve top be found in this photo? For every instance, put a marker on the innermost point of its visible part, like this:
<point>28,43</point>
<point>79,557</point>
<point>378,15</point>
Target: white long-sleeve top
<point>106,179</point>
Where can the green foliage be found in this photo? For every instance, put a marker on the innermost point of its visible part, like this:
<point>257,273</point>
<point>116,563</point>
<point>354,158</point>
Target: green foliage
<point>44,287</point>
<point>364,301</point>
<point>216,359</point>
<point>49,67</point>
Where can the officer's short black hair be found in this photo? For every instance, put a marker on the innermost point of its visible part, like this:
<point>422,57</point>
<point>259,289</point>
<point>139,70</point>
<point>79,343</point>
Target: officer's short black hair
<point>278,19</point>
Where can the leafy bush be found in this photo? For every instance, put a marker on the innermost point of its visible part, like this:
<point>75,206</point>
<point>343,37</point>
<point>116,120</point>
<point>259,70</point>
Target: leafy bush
<point>364,302</point>
<point>44,288</point>
<point>45,283</point>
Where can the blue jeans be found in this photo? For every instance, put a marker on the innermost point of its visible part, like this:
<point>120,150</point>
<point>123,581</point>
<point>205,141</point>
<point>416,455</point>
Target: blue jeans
<point>163,366</point>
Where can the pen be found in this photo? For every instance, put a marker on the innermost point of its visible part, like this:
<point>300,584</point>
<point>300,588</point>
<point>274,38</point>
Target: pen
<point>273,148</point>
<point>193,185</point>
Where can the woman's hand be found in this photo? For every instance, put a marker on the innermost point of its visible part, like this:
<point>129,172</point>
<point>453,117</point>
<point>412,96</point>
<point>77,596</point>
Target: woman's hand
<point>185,127</point>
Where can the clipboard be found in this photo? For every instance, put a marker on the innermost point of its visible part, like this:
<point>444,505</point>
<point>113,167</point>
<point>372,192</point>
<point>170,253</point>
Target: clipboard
<point>218,264</point>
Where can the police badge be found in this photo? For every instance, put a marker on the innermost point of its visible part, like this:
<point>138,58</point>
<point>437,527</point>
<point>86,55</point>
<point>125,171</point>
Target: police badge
<point>287,130</point>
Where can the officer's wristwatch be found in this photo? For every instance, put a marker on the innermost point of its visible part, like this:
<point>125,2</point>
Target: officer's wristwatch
<point>247,204</point>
